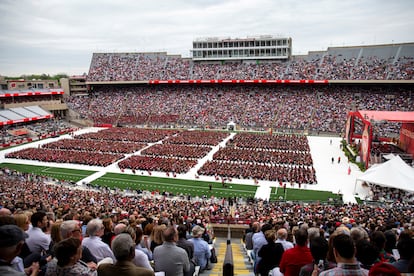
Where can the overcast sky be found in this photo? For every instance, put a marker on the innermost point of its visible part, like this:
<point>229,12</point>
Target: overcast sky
<point>58,36</point>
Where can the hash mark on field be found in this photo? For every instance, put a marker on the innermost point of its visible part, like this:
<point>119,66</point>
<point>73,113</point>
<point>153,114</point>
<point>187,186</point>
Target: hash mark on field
<point>62,173</point>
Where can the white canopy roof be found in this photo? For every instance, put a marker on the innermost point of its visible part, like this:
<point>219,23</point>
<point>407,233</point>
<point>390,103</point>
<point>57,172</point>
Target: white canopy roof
<point>394,173</point>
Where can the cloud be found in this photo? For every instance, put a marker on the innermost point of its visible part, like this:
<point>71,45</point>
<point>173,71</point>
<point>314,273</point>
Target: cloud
<point>44,31</point>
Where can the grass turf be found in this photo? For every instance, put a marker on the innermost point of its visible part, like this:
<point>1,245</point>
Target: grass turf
<point>56,173</point>
<point>292,194</point>
<point>174,185</point>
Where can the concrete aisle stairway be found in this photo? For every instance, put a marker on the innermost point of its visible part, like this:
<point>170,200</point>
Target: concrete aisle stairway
<point>242,266</point>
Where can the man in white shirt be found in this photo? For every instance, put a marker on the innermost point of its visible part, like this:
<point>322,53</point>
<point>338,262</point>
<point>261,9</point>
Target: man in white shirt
<point>38,241</point>
<point>281,236</point>
<point>94,243</point>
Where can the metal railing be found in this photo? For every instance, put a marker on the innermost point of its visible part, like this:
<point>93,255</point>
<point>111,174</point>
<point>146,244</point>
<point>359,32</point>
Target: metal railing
<point>228,264</point>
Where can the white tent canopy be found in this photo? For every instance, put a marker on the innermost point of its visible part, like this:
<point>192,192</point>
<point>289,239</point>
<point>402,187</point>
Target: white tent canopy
<point>394,173</point>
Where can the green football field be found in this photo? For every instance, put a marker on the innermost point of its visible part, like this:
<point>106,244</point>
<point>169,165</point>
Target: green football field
<point>172,185</point>
<point>56,173</point>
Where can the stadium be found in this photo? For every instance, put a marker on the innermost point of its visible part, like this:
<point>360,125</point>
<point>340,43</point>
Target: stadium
<point>240,132</point>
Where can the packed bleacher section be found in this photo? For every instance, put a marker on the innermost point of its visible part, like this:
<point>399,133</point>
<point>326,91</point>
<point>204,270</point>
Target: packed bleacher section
<point>32,131</point>
<point>381,194</point>
<point>385,148</point>
<point>136,66</point>
<point>381,62</point>
<point>386,129</point>
<point>309,108</point>
<point>24,115</point>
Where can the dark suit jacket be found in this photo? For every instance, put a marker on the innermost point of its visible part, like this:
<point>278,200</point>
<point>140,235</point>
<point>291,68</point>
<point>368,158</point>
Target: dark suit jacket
<point>270,254</point>
<point>187,246</point>
<point>124,268</point>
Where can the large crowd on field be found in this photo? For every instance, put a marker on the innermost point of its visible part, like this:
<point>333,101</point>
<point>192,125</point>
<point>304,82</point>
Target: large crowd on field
<point>264,156</point>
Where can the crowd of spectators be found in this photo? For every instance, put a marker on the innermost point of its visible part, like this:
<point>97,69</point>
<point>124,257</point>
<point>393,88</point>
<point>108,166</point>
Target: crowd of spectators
<point>282,142</point>
<point>315,109</point>
<point>273,157</point>
<point>378,193</point>
<point>137,66</point>
<point>256,171</point>
<point>53,127</point>
<point>95,145</point>
<point>201,138</point>
<point>385,148</point>
<point>160,66</point>
<point>264,156</point>
<point>386,129</point>
<point>402,69</point>
<point>66,156</point>
<point>33,131</point>
<point>46,202</point>
<point>278,157</point>
<point>22,191</point>
<point>8,137</point>
<point>181,151</point>
<point>152,163</point>
<point>129,134</point>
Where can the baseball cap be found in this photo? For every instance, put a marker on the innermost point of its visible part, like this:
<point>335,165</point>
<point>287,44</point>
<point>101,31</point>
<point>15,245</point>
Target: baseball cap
<point>11,235</point>
<point>197,231</point>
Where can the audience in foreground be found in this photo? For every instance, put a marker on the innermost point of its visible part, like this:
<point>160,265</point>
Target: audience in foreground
<point>72,208</point>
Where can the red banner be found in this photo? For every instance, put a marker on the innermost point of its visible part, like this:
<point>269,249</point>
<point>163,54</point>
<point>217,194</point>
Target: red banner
<point>238,81</point>
<point>31,93</point>
<point>365,145</point>
<point>407,138</point>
